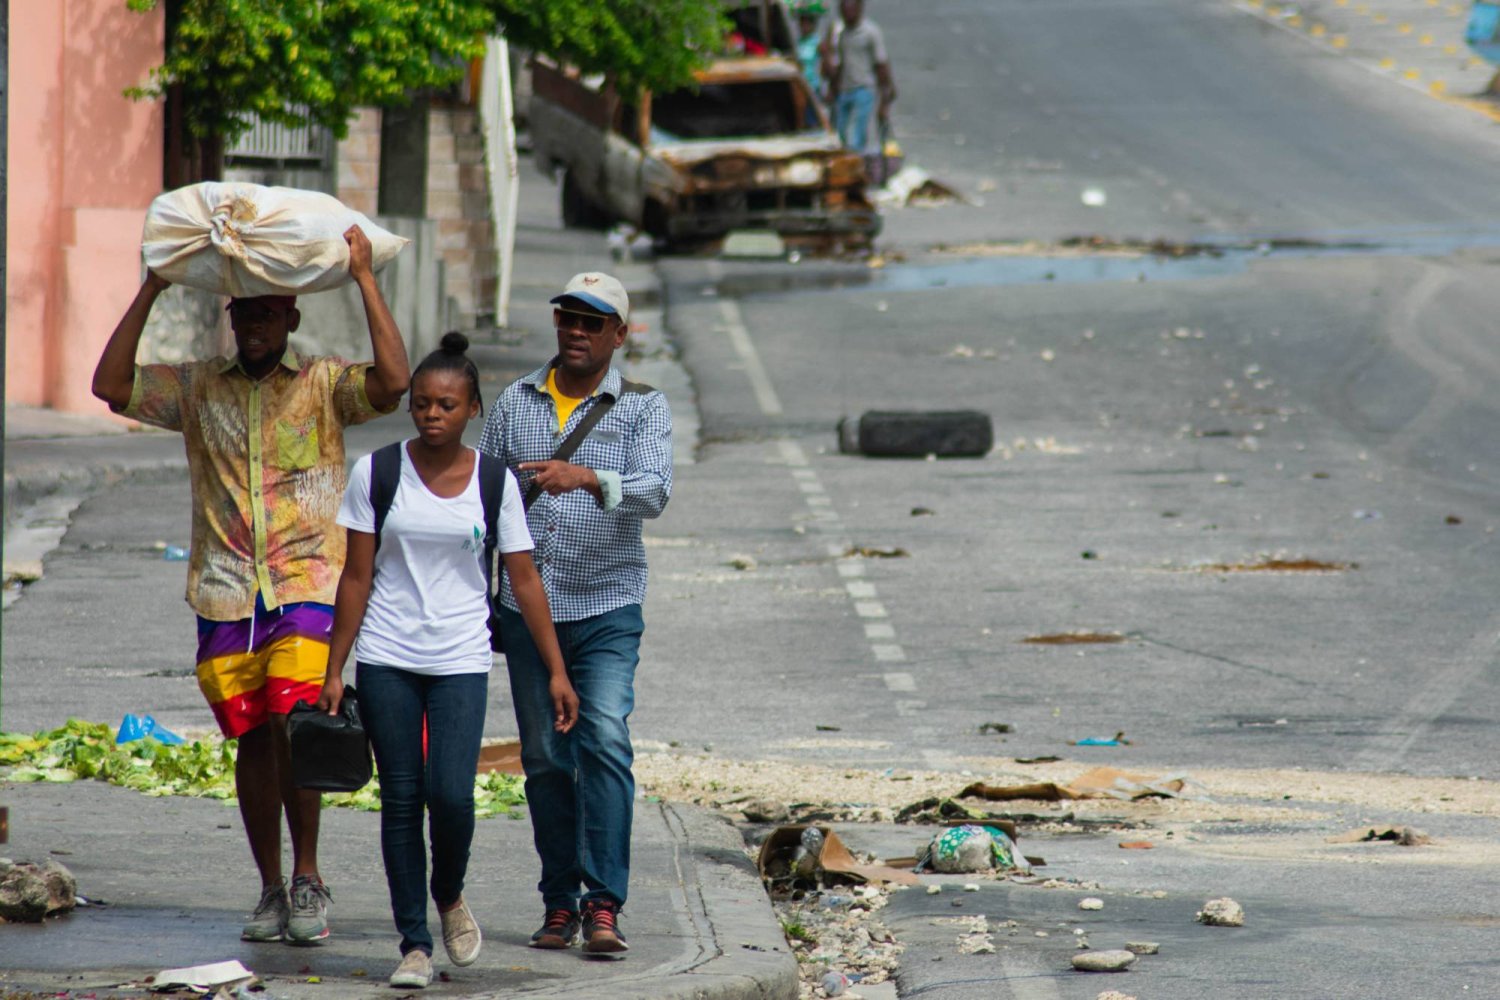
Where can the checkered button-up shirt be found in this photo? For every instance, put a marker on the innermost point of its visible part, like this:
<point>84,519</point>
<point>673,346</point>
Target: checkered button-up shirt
<point>588,550</point>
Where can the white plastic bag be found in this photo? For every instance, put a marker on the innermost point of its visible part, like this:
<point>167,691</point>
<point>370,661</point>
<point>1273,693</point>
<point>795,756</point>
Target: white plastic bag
<point>247,240</point>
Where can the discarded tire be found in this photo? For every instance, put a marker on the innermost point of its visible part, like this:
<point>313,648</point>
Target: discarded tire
<point>916,434</point>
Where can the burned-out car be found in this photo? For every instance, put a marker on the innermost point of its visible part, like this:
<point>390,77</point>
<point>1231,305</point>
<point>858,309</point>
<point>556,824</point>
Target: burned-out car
<point>747,148</point>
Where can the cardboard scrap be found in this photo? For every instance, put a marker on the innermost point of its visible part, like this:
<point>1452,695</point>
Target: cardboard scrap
<point>504,756</point>
<point>1096,783</point>
<point>202,977</point>
<point>835,862</point>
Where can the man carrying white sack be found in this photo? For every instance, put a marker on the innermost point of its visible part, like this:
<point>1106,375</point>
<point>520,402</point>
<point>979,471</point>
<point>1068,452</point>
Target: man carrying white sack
<point>264,432</point>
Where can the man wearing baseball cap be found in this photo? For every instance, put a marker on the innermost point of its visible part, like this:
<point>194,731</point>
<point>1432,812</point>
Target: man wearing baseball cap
<point>585,511</point>
<point>264,432</point>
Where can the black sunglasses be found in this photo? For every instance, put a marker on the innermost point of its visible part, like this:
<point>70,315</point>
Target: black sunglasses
<point>570,319</point>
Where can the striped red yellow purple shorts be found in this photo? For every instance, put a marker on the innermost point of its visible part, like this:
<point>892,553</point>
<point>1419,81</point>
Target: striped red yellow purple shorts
<point>255,667</point>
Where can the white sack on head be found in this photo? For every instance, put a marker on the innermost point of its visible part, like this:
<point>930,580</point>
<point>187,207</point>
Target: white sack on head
<point>246,239</point>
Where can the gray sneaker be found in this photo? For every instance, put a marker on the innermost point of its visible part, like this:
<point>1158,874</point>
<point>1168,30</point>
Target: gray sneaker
<point>308,923</point>
<point>268,922</point>
<point>414,972</point>
<point>461,937</point>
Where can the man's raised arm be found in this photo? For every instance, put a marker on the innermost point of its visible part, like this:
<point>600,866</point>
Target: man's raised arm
<point>392,372</point>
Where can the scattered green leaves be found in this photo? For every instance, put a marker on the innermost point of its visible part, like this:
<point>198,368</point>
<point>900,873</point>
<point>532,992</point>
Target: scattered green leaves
<point>202,768</point>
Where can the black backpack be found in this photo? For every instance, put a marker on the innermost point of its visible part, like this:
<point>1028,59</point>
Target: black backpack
<point>385,476</point>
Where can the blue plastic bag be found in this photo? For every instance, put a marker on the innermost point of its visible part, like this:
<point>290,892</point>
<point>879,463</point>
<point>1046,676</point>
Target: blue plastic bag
<point>140,727</point>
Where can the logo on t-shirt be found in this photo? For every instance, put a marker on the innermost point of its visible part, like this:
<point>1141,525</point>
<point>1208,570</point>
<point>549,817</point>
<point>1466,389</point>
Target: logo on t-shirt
<point>478,541</point>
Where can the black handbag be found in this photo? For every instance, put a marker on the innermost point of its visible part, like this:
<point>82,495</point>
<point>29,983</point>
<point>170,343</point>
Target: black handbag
<point>330,753</point>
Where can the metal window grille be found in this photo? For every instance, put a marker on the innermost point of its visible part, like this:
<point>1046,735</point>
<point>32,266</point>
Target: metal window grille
<point>269,141</point>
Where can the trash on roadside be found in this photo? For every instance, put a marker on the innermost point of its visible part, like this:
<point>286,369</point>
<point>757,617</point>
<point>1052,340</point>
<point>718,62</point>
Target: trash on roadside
<point>1091,903</point>
<point>786,856</point>
<point>741,562</point>
<point>999,728</point>
<point>870,552</point>
<point>834,983</point>
<point>917,434</point>
<point>1045,759</point>
<point>1221,912</point>
<point>972,848</point>
<point>30,893</point>
<point>202,977</point>
<point>911,185</point>
<point>1137,845</point>
<point>765,811</point>
<point>1143,947</point>
<point>1098,782</point>
<point>140,727</point>
<point>1117,740</point>
<point>1113,995</point>
<point>1093,197</point>
<point>922,512</point>
<point>1406,836</point>
<point>1104,961</point>
<point>503,756</point>
<point>174,553</point>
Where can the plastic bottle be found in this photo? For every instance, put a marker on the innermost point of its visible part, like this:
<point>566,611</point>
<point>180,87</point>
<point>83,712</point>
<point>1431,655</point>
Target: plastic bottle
<point>835,983</point>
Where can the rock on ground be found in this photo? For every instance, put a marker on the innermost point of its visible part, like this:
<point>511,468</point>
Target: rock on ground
<point>30,893</point>
<point>1091,903</point>
<point>1222,912</point>
<point>1142,947</point>
<point>1103,961</point>
<point>1113,995</point>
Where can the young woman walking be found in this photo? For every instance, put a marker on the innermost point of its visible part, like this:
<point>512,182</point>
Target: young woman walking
<point>413,604</point>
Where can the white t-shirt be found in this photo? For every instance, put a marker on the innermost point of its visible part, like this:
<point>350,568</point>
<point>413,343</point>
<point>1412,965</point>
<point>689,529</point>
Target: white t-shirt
<point>428,611</point>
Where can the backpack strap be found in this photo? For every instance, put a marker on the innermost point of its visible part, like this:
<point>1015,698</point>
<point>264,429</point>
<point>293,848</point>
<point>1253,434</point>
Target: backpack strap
<point>385,476</point>
<point>491,495</point>
<point>581,430</point>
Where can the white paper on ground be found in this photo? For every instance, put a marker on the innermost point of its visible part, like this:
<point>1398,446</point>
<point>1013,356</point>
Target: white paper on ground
<point>206,976</point>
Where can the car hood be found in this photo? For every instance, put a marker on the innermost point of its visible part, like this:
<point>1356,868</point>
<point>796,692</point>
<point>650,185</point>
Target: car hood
<point>785,147</point>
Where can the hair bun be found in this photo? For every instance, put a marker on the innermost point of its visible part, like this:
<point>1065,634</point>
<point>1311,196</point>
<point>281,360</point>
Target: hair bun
<point>454,343</point>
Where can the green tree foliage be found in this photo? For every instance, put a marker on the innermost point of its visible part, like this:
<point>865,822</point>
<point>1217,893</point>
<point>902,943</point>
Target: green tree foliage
<point>300,61</point>
<point>655,44</point>
<point>316,61</point>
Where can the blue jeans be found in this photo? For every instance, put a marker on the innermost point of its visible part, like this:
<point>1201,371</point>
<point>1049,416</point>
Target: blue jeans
<point>578,785</point>
<point>851,116</point>
<point>392,704</point>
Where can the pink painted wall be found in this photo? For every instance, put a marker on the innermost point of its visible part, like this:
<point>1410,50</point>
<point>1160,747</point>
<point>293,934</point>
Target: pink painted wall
<point>84,162</point>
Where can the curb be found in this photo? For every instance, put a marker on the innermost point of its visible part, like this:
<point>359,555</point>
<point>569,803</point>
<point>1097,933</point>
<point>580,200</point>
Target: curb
<point>737,950</point>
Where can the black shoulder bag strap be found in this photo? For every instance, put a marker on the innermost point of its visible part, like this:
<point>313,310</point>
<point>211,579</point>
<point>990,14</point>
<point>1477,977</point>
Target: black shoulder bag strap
<point>492,497</point>
<point>385,476</point>
<point>590,419</point>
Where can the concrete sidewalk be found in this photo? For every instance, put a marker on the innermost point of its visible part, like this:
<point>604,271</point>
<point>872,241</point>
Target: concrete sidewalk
<point>176,873</point>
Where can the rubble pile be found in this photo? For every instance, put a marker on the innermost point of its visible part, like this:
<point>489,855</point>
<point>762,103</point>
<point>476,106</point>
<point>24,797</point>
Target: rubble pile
<point>838,930</point>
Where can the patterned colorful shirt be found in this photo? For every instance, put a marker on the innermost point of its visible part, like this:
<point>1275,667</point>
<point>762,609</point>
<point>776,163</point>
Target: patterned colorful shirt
<point>589,552</point>
<point>266,461</point>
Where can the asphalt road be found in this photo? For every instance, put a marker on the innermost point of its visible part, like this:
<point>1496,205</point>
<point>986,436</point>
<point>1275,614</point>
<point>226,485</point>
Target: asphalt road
<point>1330,399</point>
<point>1326,397</point>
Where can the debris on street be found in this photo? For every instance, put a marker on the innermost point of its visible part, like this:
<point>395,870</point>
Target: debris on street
<point>1091,903</point>
<point>30,893</point>
<point>1079,638</point>
<point>807,856</point>
<point>838,933</point>
<point>201,978</point>
<point>1104,961</point>
<point>1117,740</point>
<point>1099,782</point>
<point>911,185</point>
<point>970,848</point>
<point>1405,836</point>
<point>1222,912</point>
<point>1113,995</point>
<point>1143,947</point>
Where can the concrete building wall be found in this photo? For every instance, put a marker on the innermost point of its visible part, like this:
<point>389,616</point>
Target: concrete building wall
<point>84,161</point>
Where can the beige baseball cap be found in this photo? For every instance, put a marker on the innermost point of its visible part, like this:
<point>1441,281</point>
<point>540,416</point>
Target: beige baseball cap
<point>599,290</point>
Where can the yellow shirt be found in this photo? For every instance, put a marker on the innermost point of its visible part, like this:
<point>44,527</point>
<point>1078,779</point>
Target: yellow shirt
<point>266,461</point>
<point>565,404</point>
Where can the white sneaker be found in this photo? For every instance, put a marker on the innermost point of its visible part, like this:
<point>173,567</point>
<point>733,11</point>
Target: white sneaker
<point>414,972</point>
<point>461,934</point>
